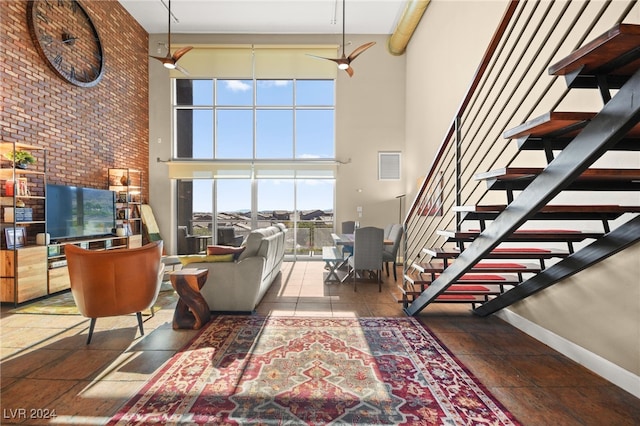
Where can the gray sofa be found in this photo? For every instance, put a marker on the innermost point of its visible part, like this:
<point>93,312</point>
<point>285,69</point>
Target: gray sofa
<point>238,286</point>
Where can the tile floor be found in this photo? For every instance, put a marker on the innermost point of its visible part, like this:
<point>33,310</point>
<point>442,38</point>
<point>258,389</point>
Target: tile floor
<point>46,366</point>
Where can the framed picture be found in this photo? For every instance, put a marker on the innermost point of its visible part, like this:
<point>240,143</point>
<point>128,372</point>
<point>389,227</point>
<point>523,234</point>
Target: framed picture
<point>122,197</point>
<point>15,237</point>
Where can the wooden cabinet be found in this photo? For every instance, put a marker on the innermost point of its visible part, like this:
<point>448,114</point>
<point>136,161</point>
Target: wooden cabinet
<point>23,272</point>
<point>29,268</point>
<point>59,279</point>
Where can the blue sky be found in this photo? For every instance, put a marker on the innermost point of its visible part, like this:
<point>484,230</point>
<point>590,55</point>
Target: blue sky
<point>281,132</point>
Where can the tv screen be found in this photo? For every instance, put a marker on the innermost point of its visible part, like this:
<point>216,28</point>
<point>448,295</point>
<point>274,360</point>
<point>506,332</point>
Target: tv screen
<point>75,212</point>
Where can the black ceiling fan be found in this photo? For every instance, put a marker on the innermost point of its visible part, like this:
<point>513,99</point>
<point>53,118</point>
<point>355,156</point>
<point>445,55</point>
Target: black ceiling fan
<point>171,61</point>
<point>344,62</point>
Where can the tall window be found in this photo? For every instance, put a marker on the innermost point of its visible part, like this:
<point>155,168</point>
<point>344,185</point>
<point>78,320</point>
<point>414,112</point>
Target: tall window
<point>265,133</point>
<point>249,120</point>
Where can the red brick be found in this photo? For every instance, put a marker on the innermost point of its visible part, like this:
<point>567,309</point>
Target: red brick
<point>86,130</point>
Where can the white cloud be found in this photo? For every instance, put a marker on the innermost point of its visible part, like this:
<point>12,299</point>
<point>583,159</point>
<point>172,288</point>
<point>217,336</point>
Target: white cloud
<point>271,83</point>
<point>237,86</point>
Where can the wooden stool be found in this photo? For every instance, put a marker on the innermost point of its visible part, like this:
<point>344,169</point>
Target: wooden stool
<point>192,311</point>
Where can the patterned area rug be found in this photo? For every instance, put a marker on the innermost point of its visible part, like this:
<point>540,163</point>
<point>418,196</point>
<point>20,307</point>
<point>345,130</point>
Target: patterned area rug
<point>63,303</point>
<point>243,370</point>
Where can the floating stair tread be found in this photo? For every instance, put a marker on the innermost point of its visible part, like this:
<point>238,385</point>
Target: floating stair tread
<point>559,208</point>
<point>565,124</point>
<point>595,56</point>
<point>530,235</point>
<point>551,212</point>
<point>558,124</point>
<point>518,178</point>
<point>472,279</point>
<point>483,267</point>
<point>516,173</point>
<point>468,289</point>
<point>534,143</point>
<point>450,298</point>
<point>502,253</point>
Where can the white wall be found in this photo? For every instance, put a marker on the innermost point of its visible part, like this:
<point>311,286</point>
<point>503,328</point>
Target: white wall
<point>442,58</point>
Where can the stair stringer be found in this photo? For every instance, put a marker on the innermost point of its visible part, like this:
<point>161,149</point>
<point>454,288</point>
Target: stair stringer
<point>609,126</point>
<point>615,241</point>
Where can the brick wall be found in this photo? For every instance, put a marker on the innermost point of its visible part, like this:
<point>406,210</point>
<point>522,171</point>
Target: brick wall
<point>86,130</point>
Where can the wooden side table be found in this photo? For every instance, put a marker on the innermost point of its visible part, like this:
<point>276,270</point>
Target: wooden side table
<point>192,311</point>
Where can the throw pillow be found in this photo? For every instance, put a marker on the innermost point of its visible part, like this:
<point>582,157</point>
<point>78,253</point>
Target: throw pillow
<point>219,250</point>
<point>185,260</point>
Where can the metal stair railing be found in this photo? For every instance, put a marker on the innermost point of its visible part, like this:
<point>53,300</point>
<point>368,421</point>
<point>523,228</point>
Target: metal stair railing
<point>615,120</point>
<point>511,86</point>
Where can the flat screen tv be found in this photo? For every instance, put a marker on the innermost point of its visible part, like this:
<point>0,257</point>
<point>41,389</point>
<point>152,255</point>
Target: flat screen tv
<point>76,212</point>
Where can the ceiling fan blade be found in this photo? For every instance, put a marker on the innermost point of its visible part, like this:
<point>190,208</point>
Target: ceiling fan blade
<point>180,52</point>
<point>321,57</point>
<point>359,50</point>
<point>182,70</point>
<point>337,61</point>
<point>350,71</point>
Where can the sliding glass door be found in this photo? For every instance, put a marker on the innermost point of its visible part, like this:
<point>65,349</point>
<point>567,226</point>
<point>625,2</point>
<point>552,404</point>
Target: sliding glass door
<point>233,206</point>
<point>305,206</point>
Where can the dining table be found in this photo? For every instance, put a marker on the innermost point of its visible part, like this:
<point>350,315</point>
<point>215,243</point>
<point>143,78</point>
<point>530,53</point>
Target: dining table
<point>349,240</point>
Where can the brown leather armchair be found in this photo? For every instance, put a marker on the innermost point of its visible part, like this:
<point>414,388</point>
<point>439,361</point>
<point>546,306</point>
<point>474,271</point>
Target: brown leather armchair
<point>115,282</point>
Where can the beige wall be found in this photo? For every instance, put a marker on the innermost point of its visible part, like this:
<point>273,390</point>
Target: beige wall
<point>369,118</point>
<point>442,58</point>
<point>597,310</point>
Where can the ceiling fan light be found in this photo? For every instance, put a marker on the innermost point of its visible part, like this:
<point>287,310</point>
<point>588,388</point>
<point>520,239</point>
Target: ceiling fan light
<point>343,66</point>
<point>170,65</point>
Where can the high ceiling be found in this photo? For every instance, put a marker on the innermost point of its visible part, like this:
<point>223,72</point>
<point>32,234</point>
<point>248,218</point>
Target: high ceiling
<point>267,16</point>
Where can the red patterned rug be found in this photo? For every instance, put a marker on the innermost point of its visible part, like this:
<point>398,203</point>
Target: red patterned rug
<point>313,371</point>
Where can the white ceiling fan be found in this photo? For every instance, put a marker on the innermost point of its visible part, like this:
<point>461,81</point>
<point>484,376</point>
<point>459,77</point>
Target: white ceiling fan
<point>171,61</point>
<point>344,62</point>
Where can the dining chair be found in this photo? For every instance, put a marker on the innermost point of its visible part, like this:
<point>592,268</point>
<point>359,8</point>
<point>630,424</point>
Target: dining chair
<point>348,227</point>
<point>367,253</point>
<point>387,230</point>
<point>390,252</point>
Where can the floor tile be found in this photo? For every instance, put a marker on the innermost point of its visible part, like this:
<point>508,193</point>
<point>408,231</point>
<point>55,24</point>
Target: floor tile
<point>87,384</point>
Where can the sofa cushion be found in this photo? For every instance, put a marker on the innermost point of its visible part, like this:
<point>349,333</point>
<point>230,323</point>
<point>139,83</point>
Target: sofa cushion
<point>254,241</point>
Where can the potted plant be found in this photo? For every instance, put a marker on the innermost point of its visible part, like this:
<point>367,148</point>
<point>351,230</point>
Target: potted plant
<point>20,158</point>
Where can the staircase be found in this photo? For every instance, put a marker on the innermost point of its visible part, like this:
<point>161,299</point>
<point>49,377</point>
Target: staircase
<point>493,258</point>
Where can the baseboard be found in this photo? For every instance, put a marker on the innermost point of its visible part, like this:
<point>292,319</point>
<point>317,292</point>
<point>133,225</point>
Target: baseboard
<point>610,371</point>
